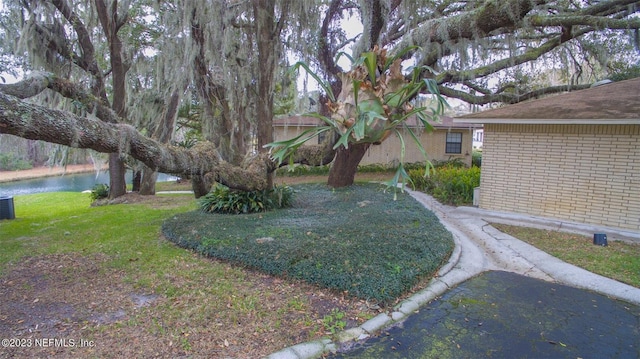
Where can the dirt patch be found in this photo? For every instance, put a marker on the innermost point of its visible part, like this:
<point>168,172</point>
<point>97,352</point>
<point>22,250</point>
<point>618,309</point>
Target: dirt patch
<point>70,305</point>
<point>60,296</point>
<point>157,201</point>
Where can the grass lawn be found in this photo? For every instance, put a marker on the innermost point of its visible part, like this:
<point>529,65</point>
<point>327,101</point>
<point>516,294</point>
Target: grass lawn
<point>618,260</point>
<point>106,275</point>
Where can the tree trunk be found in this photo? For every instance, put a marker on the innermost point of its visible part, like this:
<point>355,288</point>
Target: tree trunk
<point>345,165</point>
<point>135,181</point>
<point>148,182</point>
<point>33,153</point>
<point>117,170</point>
<point>267,56</point>
<point>111,25</point>
<point>201,185</point>
<point>162,134</point>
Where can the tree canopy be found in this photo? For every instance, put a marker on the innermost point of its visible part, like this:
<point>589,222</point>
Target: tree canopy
<point>115,76</point>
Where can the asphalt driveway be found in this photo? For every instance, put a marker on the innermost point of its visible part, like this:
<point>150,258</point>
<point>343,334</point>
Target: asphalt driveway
<point>505,315</point>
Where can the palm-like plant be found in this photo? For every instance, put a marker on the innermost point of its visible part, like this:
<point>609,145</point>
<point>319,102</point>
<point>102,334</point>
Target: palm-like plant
<point>375,101</point>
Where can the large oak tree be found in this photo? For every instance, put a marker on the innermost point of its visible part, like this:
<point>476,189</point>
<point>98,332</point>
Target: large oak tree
<point>97,55</point>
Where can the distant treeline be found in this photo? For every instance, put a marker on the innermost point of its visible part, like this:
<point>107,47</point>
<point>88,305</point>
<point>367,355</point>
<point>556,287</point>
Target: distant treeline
<point>19,154</point>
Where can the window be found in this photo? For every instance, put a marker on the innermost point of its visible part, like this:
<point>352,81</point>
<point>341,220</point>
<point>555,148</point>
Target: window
<point>454,142</point>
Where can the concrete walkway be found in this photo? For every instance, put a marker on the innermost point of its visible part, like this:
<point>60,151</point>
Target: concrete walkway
<point>480,248</point>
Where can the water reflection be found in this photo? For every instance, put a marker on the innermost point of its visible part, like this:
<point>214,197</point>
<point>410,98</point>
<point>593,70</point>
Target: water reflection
<point>64,183</point>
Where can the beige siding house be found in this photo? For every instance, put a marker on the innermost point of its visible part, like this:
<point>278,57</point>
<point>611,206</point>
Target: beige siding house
<point>574,156</point>
<point>449,140</point>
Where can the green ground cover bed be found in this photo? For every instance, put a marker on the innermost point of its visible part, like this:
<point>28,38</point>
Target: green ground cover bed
<point>356,240</point>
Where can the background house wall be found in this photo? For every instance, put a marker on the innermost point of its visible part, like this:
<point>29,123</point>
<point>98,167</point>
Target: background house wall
<point>388,153</point>
<point>434,143</point>
<point>584,173</point>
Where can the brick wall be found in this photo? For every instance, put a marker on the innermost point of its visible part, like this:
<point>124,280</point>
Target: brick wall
<point>583,173</point>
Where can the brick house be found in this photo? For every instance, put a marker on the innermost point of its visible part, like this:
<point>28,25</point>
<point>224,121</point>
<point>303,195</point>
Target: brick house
<point>448,140</point>
<point>574,156</point>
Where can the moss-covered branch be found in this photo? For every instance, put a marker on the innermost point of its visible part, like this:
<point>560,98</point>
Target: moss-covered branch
<point>478,23</point>
<point>37,82</point>
<point>35,122</point>
<point>506,97</point>
<point>598,22</point>
<point>531,54</point>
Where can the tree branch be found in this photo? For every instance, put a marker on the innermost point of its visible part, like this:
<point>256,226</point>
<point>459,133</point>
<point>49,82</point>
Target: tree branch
<point>88,62</point>
<point>598,22</point>
<point>37,82</point>
<point>325,52</point>
<point>477,23</point>
<point>31,121</point>
<point>507,97</point>
<point>529,55</point>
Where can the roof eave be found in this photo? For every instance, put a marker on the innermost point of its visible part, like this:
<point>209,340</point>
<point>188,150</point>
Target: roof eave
<point>563,121</point>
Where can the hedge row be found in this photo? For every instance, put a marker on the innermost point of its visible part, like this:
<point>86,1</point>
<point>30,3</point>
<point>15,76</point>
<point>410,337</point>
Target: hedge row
<point>448,184</point>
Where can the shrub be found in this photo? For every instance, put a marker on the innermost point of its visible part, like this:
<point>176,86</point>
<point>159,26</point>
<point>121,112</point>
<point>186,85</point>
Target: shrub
<point>448,184</point>
<point>10,162</point>
<point>222,199</point>
<point>419,181</point>
<point>99,191</point>
<point>476,158</point>
<point>453,162</point>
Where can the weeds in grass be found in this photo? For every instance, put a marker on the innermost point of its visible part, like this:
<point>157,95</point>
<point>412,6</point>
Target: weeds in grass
<point>334,322</point>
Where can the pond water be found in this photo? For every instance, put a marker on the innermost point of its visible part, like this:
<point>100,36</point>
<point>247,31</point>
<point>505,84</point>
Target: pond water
<point>64,183</point>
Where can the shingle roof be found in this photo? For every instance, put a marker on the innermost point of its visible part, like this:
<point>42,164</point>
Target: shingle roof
<point>613,103</point>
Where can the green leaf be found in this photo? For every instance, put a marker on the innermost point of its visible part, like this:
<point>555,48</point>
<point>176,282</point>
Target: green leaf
<point>344,139</point>
<point>416,111</point>
<point>370,62</point>
<point>287,148</point>
<point>342,53</point>
<point>360,126</point>
<point>328,120</point>
<point>325,86</point>
<point>421,117</point>
<point>406,93</point>
<point>428,164</point>
<point>356,90</point>
<point>402,146</point>
<point>400,176</point>
<point>372,105</point>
